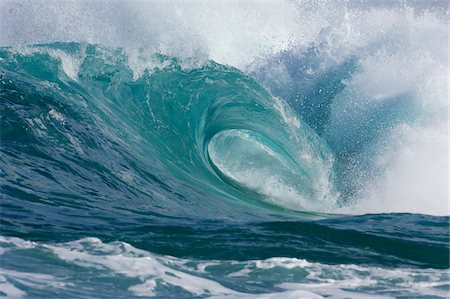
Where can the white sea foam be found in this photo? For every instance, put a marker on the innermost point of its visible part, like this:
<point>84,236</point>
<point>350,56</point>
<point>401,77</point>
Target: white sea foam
<point>9,289</point>
<point>151,274</point>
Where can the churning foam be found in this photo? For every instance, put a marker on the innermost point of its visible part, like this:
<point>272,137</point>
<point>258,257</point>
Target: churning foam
<point>141,273</point>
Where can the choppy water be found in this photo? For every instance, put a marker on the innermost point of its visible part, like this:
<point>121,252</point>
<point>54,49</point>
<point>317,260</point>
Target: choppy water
<point>142,159</point>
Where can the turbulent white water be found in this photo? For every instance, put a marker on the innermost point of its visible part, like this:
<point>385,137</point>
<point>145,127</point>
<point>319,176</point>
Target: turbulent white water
<point>141,273</point>
<point>396,103</point>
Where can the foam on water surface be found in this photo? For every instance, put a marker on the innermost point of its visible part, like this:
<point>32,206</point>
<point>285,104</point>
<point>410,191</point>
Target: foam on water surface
<point>133,272</point>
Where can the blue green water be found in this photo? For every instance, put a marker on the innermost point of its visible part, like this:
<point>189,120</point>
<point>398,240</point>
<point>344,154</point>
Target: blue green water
<point>187,182</point>
<point>224,149</point>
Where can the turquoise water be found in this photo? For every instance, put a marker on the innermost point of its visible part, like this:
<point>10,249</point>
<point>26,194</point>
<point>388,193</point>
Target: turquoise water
<point>215,163</point>
<point>184,182</point>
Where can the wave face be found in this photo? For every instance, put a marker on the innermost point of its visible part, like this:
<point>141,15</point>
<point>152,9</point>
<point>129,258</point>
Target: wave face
<point>210,128</point>
<point>174,154</point>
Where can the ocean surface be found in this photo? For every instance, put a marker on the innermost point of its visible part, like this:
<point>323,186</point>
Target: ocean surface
<point>224,149</point>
